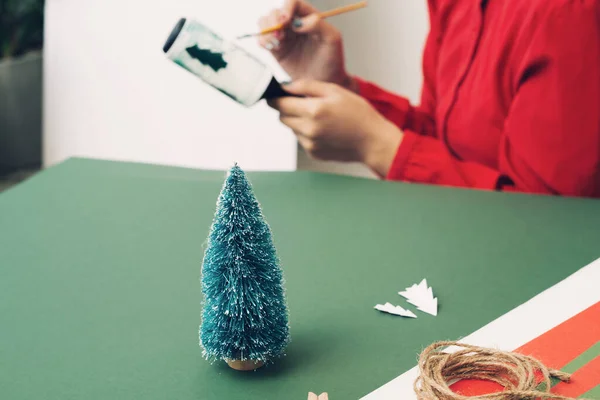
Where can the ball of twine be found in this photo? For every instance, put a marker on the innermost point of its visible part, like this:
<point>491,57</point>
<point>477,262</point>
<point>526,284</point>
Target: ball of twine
<point>515,372</point>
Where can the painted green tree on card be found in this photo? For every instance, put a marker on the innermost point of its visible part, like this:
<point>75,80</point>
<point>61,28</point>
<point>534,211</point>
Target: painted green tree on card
<point>211,59</point>
<point>245,316</point>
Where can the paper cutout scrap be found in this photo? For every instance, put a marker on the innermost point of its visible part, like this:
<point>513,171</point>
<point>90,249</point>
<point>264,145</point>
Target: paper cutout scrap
<point>395,310</point>
<point>421,296</point>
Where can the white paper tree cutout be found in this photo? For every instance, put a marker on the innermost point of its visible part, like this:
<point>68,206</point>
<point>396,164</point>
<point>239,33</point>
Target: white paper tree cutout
<point>421,296</point>
<point>396,310</point>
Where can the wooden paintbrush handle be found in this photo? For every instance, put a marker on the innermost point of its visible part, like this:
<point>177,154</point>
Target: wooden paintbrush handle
<point>344,9</point>
<point>272,29</point>
<point>323,15</point>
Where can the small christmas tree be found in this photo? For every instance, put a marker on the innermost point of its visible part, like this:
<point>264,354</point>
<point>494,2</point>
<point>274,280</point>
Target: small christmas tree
<point>245,317</point>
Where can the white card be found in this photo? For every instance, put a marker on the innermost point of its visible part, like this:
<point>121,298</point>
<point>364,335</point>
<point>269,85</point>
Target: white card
<point>395,310</point>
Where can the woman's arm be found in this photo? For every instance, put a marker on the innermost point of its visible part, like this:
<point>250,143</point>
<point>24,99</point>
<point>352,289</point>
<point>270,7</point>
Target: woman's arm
<point>398,109</point>
<point>551,138</point>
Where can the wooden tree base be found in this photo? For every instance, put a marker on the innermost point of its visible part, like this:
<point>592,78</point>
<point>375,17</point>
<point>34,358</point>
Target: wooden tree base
<point>246,365</point>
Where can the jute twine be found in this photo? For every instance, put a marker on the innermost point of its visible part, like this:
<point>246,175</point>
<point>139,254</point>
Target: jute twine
<point>515,372</point>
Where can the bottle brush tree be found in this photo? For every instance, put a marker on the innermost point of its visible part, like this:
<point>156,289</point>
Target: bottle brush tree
<point>245,316</point>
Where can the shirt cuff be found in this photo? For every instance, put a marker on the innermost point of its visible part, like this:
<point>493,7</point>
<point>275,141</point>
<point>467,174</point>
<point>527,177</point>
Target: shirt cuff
<point>399,165</point>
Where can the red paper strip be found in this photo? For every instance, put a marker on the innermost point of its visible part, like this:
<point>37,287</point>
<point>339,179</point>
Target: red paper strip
<point>555,348</point>
<point>582,381</point>
<point>470,387</point>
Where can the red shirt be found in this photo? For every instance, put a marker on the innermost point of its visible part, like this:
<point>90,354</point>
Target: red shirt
<point>510,101</point>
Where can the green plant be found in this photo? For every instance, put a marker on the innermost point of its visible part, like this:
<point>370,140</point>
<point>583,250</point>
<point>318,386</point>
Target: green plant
<point>21,27</point>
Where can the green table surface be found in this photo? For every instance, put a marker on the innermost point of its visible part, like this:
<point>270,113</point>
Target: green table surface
<point>100,265</point>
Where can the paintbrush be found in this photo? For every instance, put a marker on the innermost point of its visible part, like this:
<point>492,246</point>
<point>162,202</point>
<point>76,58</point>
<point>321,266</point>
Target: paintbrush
<point>323,15</point>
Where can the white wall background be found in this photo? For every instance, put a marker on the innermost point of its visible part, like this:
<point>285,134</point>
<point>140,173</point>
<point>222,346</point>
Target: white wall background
<point>110,93</point>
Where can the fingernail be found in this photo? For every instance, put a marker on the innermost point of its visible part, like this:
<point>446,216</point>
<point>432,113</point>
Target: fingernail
<point>275,43</point>
<point>297,23</point>
<point>285,83</point>
<point>278,34</point>
<point>269,46</point>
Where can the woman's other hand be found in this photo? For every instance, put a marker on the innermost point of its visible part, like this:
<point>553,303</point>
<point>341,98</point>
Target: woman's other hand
<point>335,124</point>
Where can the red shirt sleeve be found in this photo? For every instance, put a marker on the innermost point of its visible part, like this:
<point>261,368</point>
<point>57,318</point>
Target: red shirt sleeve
<point>551,138</point>
<point>398,109</point>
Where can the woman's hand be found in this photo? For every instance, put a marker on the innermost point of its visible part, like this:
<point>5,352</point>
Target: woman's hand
<point>309,48</point>
<point>335,124</point>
